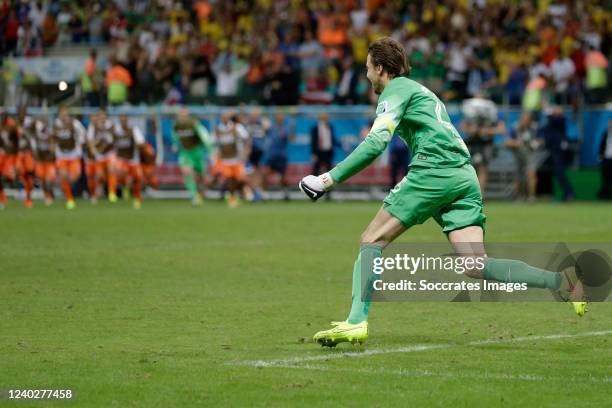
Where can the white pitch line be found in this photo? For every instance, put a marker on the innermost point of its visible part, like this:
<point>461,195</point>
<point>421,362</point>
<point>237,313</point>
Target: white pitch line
<point>412,349</point>
<point>348,354</point>
<point>427,373</point>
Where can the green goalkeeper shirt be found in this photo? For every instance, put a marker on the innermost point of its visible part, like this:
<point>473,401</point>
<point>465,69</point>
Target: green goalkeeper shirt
<point>417,116</point>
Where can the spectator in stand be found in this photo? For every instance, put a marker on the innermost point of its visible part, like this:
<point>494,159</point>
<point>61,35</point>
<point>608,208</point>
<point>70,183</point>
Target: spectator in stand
<point>310,53</point>
<point>456,47</point>
<point>436,70</point>
<point>63,19</point>
<point>254,80</point>
<point>228,80</point>
<point>122,48</point>
<point>36,14</point>
<point>49,30</point>
<point>11,29</point>
<point>516,83</point>
<point>562,70</point>
<point>281,86</point>
<point>290,49</point>
<point>28,42</point>
<point>77,28</point>
<point>346,92</point>
<point>165,69</point>
<point>459,54</point>
<point>201,74</point>
<point>316,88</point>
<point>145,82</point>
<point>95,25</point>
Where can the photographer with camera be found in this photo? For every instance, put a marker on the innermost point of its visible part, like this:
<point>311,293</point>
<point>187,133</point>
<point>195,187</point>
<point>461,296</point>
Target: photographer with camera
<point>527,148</point>
<point>480,125</point>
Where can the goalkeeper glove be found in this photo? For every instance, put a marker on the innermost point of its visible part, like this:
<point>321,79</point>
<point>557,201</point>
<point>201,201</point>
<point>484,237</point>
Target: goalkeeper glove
<point>316,186</point>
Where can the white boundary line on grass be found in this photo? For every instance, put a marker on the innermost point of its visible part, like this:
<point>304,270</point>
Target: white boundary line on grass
<point>411,349</point>
<point>427,373</point>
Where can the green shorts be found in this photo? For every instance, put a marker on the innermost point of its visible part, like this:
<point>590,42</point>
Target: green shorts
<point>193,158</point>
<point>450,195</point>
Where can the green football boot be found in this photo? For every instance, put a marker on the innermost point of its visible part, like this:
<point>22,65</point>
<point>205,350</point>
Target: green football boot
<point>342,332</point>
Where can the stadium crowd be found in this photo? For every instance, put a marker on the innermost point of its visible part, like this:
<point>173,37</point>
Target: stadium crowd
<point>290,52</point>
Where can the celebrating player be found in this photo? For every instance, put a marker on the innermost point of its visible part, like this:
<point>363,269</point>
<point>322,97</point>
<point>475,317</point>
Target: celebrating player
<point>147,165</point>
<point>25,158</point>
<point>90,168</point>
<point>17,161</point>
<point>9,146</point>
<point>231,138</point>
<point>128,141</point>
<point>441,184</point>
<point>43,147</point>
<point>147,159</point>
<point>101,134</point>
<point>192,140</point>
<point>69,135</point>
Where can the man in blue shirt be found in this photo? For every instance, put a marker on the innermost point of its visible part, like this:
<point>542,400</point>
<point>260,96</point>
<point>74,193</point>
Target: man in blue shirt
<point>276,162</point>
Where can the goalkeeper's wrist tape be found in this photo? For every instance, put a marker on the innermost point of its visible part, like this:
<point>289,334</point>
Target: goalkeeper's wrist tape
<point>327,180</point>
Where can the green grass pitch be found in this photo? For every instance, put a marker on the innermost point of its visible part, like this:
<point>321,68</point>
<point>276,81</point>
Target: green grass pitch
<point>178,306</point>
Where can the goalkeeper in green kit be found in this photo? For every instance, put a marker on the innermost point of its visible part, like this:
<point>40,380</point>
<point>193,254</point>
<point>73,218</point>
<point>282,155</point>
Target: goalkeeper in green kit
<point>441,184</point>
<point>193,142</point>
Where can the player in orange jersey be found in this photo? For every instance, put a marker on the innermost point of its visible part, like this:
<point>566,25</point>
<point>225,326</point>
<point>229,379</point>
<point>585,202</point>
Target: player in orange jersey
<point>101,133</point>
<point>43,147</point>
<point>90,171</point>
<point>9,146</point>
<point>147,164</point>
<point>9,133</point>
<point>231,138</point>
<point>128,141</point>
<point>69,136</point>
<point>25,157</point>
<point>3,200</point>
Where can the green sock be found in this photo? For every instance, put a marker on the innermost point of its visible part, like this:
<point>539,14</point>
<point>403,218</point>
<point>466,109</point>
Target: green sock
<point>511,271</point>
<point>191,186</point>
<point>363,267</point>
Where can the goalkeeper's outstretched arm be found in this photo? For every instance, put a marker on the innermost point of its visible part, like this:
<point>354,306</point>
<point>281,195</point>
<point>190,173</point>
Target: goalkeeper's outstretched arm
<point>203,135</point>
<point>372,146</point>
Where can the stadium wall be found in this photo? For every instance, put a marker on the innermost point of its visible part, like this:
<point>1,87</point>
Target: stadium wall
<point>585,128</point>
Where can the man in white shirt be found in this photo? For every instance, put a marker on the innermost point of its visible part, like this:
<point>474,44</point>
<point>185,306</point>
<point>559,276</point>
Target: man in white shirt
<point>228,80</point>
<point>322,144</point>
<point>562,70</point>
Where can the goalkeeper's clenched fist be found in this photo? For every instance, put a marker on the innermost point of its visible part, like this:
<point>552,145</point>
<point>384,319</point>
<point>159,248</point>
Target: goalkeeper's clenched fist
<point>316,186</point>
